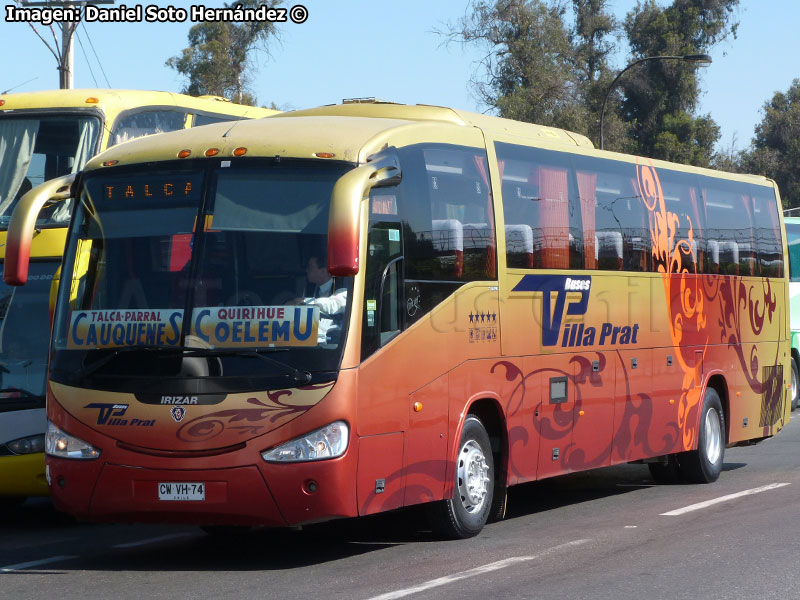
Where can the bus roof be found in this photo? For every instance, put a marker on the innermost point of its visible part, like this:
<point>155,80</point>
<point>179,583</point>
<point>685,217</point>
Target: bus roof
<point>355,129</point>
<point>348,131</point>
<point>116,101</point>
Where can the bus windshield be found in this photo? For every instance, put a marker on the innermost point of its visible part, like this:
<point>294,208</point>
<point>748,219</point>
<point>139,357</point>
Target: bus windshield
<point>224,262</point>
<point>38,148</point>
<point>23,339</point>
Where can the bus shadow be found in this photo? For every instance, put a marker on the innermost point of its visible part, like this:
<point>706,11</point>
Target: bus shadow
<point>286,549</point>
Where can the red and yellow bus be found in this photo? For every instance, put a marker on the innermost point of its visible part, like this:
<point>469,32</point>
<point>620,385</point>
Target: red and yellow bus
<point>44,135</point>
<point>514,305</point>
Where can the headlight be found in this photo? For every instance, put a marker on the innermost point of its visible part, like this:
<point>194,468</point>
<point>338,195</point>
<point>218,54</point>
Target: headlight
<point>27,445</point>
<point>328,442</point>
<point>62,445</point>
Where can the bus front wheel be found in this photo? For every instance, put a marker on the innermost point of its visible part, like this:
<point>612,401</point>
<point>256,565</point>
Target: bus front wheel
<point>465,514</point>
<point>705,464</point>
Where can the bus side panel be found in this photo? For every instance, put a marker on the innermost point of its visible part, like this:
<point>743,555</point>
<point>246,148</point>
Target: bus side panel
<point>380,473</point>
<point>426,442</point>
<point>595,379</point>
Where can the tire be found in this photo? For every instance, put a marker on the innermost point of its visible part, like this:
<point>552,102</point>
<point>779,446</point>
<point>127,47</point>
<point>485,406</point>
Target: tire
<point>795,386</point>
<point>705,464</point>
<point>666,473</point>
<point>465,514</point>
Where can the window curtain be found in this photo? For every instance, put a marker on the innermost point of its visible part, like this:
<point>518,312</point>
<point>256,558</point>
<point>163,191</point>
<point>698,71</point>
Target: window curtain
<point>587,189</point>
<point>17,139</point>
<point>554,217</point>
<point>86,139</point>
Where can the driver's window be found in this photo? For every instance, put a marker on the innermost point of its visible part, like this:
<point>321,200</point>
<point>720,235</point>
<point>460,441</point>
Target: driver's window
<point>382,291</point>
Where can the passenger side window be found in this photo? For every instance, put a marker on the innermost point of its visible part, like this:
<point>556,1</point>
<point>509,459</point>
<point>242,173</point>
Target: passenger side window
<point>544,205</point>
<point>136,124</point>
<point>448,223</point>
<point>684,199</point>
<point>766,231</point>
<point>730,247</point>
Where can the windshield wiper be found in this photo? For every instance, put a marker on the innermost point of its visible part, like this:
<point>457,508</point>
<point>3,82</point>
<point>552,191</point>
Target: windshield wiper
<point>100,362</point>
<point>297,374</point>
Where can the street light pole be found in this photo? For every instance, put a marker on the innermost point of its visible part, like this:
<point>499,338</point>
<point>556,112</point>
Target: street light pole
<point>698,59</point>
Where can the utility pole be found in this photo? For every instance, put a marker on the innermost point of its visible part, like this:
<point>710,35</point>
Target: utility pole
<point>64,54</point>
<point>65,73</point>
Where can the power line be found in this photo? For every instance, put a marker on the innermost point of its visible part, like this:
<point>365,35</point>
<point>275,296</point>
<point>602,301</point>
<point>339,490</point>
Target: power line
<point>88,64</point>
<point>91,45</point>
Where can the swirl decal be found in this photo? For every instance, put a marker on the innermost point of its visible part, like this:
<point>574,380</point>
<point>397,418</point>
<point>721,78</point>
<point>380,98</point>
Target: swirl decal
<point>741,307</point>
<point>279,407</point>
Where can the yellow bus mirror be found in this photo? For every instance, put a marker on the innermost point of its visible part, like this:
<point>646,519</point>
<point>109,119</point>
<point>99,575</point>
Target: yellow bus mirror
<point>344,217</point>
<point>23,222</point>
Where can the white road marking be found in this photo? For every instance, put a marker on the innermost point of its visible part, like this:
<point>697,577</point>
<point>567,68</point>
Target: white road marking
<point>34,563</point>
<point>153,540</point>
<point>707,503</point>
<point>500,564</point>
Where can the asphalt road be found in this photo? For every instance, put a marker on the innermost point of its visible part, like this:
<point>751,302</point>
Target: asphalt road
<point>597,535</point>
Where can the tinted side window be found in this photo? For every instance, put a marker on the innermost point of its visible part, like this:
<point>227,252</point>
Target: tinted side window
<point>684,199</point>
<point>448,215</point>
<point>140,123</point>
<point>620,225</point>
<point>766,230</point>
<point>543,205</point>
<point>730,247</point>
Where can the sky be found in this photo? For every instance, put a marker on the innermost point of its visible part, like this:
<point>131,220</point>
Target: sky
<point>391,50</point>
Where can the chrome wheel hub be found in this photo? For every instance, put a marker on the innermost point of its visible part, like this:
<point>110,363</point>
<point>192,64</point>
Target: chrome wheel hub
<point>713,436</point>
<point>473,476</point>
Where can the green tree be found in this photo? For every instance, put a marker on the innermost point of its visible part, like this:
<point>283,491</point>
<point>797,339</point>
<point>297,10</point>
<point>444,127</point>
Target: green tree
<point>218,60</point>
<point>594,36</point>
<point>660,97</point>
<point>541,69</point>
<point>528,72</point>
<point>775,150</point>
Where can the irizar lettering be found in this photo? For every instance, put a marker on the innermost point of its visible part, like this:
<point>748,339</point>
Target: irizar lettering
<point>178,399</point>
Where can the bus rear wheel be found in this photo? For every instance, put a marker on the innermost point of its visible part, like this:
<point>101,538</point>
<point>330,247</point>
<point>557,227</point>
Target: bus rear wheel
<point>705,464</point>
<point>795,377</point>
<point>465,514</point>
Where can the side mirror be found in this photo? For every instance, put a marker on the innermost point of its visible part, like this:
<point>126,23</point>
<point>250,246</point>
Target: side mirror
<point>23,222</point>
<point>344,218</point>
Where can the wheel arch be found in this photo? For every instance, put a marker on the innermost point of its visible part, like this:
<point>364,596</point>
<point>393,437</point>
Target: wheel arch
<point>719,384</point>
<point>491,414</point>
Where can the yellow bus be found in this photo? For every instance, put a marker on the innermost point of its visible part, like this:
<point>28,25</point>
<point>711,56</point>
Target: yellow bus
<point>355,308</point>
<point>44,135</point>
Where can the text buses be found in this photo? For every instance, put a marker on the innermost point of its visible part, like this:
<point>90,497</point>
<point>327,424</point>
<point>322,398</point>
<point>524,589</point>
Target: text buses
<point>44,135</point>
<point>513,305</point>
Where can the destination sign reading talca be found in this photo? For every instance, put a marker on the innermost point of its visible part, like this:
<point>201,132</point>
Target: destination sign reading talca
<point>153,13</point>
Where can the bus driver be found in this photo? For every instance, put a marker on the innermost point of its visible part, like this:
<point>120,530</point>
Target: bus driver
<point>331,301</point>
